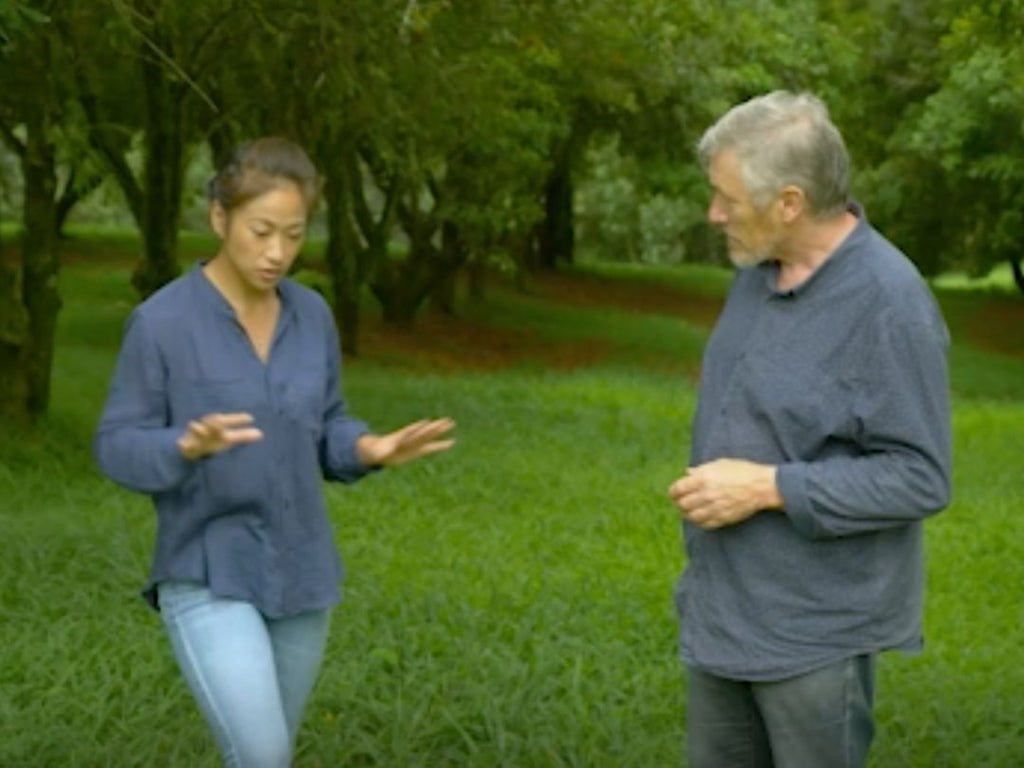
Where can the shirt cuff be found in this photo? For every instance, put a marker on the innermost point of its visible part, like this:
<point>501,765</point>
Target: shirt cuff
<point>342,460</point>
<point>174,467</point>
<point>791,481</point>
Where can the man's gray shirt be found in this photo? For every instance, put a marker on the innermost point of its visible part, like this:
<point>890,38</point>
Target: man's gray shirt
<point>842,383</point>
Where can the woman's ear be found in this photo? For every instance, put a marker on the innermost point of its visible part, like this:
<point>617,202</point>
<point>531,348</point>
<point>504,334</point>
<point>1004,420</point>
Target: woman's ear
<point>218,219</point>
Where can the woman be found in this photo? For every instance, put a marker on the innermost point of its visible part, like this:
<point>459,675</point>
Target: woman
<point>224,406</point>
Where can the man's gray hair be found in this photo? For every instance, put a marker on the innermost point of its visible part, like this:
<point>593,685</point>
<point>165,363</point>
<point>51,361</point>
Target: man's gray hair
<point>782,139</point>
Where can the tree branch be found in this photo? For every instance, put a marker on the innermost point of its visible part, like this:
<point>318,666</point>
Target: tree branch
<point>16,145</point>
<point>109,151</point>
<point>163,56</point>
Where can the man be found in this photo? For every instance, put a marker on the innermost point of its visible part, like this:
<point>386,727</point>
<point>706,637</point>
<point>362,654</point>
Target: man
<point>820,442</point>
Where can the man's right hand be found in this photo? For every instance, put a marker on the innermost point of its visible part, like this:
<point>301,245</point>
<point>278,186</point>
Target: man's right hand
<point>216,432</point>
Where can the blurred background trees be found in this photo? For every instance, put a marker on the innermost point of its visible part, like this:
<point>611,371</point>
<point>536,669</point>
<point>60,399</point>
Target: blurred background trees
<point>457,138</point>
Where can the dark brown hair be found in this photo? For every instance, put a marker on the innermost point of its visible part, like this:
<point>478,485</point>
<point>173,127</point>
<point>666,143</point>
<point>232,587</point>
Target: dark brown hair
<point>257,166</point>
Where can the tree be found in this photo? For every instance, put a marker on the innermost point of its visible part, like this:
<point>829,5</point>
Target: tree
<point>427,128</point>
<point>475,148</point>
<point>171,49</point>
<point>971,128</point>
<point>327,77</point>
<point>682,66</point>
<point>29,301</point>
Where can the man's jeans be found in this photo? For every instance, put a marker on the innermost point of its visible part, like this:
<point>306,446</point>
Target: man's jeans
<point>818,720</point>
<point>250,675</point>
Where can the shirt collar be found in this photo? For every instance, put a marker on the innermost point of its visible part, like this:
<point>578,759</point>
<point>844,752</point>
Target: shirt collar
<point>209,296</point>
<point>831,266</point>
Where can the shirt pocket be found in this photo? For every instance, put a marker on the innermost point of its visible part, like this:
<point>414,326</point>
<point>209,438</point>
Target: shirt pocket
<point>782,410</point>
<point>237,476</point>
<point>194,398</point>
<point>303,395</point>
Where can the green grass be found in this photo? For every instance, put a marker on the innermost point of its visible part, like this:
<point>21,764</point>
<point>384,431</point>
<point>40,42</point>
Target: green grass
<point>508,603</point>
<point>999,279</point>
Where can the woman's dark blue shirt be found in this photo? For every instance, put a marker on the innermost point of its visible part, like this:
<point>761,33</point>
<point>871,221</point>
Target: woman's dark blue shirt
<point>249,522</point>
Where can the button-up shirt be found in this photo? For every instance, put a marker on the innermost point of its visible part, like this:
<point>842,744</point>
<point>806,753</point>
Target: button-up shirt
<point>842,384</point>
<point>248,522</point>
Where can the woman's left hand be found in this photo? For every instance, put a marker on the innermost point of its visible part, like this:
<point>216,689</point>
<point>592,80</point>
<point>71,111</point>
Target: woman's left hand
<point>421,438</point>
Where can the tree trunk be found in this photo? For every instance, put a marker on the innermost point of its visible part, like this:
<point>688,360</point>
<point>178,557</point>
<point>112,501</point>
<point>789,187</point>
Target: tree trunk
<point>71,196</point>
<point>400,288</point>
<point>1017,268</point>
<point>338,253</point>
<point>223,134</point>
<point>427,270</point>
<point>163,178</point>
<point>443,298</point>
<point>39,257</point>
<point>556,237</point>
<point>476,278</point>
<point>13,326</point>
<point>445,272</point>
<point>13,347</point>
<point>28,314</point>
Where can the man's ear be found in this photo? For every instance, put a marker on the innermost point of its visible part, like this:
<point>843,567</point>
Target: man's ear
<point>218,219</point>
<point>793,203</point>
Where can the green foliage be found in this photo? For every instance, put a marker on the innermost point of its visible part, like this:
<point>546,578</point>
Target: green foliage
<point>460,114</point>
<point>15,17</point>
<point>938,160</point>
<point>972,127</point>
<point>621,217</point>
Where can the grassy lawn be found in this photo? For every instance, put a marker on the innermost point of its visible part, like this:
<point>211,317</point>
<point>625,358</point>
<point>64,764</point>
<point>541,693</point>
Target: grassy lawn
<point>507,604</point>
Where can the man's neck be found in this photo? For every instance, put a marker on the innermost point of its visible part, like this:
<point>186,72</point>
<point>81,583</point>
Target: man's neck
<point>810,245</point>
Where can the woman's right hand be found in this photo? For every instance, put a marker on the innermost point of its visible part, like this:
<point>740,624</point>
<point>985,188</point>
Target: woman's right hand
<point>216,432</point>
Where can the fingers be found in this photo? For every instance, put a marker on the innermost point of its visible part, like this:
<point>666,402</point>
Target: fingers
<point>684,490</point>
<point>241,436</point>
<point>425,430</point>
<point>228,420</point>
<point>689,494</point>
<point>216,432</point>
<point>437,446</point>
<point>420,438</point>
<point>227,429</point>
<point>421,433</point>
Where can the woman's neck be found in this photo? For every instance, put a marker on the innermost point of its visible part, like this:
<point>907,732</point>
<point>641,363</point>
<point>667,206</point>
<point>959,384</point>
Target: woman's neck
<point>242,298</point>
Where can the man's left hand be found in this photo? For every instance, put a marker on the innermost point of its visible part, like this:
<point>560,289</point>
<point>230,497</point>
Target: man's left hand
<point>725,492</point>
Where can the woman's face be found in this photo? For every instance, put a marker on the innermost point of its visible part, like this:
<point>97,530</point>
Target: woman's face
<point>261,238</point>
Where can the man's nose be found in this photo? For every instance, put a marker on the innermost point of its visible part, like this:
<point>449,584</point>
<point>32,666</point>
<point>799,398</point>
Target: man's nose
<point>716,212</point>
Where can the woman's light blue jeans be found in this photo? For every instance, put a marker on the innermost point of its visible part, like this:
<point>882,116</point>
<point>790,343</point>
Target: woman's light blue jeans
<point>249,674</point>
<point>818,720</point>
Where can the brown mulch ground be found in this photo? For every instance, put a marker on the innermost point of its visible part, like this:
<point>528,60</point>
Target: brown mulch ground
<point>593,291</point>
<point>446,344</point>
<point>442,343</point>
<point>998,326</point>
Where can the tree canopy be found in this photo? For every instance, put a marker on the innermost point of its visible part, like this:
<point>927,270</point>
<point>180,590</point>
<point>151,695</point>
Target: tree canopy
<point>456,136</point>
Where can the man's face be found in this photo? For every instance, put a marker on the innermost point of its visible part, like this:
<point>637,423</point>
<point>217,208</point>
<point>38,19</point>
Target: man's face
<point>752,234</point>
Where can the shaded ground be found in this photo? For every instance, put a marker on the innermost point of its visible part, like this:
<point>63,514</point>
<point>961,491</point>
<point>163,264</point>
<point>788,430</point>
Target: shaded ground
<point>582,289</point>
<point>444,344</point>
<point>998,325</point>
